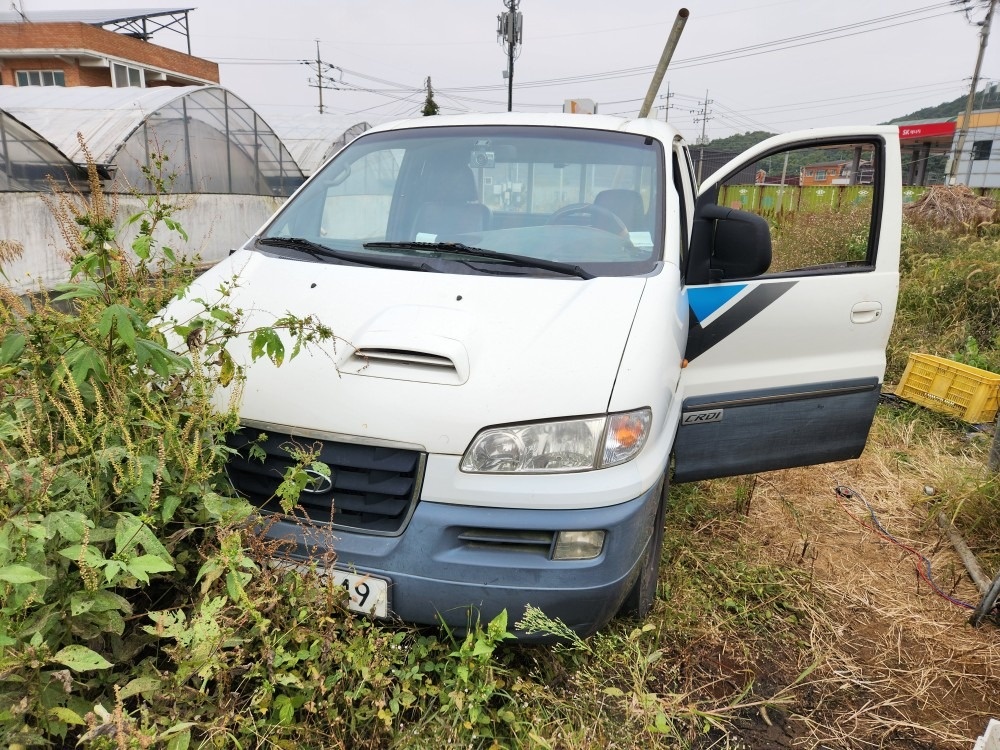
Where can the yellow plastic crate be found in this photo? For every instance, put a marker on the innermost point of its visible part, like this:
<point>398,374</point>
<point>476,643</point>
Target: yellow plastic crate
<point>950,387</point>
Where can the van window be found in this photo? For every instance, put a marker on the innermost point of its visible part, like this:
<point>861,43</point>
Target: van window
<point>569,195</point>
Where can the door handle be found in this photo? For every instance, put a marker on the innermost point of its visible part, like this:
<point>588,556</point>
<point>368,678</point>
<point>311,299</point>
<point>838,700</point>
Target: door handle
<point>866,312</point>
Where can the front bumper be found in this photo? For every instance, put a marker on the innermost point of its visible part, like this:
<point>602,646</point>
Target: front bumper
<point>460,564</point>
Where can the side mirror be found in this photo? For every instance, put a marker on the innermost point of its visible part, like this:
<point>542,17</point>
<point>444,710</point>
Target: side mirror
<point>729,244</point>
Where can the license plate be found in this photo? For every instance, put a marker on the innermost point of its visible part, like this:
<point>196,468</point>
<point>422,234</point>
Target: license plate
<point>366,593</point>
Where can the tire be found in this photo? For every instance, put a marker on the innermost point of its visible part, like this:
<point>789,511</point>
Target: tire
<point>642,596</point>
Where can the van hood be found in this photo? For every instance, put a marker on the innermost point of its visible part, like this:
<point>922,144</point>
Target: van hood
<point>428,359</point>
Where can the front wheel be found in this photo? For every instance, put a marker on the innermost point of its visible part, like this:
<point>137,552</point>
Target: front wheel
<point>642,596</point>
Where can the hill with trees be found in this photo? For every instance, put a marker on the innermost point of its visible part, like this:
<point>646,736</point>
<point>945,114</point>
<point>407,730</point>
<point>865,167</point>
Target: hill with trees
<point>986,98</point>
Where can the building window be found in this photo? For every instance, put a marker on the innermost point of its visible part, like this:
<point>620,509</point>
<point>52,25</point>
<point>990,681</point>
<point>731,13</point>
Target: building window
<point>41,78</point>
<point>981,150</point>
<point>820,175</point>
<point>126,75</point>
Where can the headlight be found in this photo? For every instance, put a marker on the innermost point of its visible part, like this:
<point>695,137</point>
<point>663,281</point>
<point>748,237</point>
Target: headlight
<point>551,447</point>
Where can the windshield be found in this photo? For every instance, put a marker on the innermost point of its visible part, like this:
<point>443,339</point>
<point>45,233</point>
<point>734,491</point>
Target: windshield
<point>586,198</point>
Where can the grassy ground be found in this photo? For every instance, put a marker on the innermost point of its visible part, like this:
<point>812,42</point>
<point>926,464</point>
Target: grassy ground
<point>786,615</point>
<point>787,619</point>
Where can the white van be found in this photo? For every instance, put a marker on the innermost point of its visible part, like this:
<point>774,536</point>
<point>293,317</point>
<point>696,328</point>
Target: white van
<point>547,320</point>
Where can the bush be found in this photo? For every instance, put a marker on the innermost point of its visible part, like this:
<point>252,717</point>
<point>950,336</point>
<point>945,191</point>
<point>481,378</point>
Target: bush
<point>112,502</point>
<point>949,299</point>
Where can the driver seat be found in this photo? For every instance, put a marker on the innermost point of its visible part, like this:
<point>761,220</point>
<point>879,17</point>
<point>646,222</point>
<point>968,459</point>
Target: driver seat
<point>627,205</point>
<point>451,202</point>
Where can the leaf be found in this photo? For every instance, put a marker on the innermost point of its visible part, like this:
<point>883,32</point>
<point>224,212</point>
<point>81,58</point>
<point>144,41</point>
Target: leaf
<point>98,601</point>
<point>20,574</point>
<point>179,727</point>
<point>125,319</point>
<point>68,524</point>
<point>223,315</point>
<point>228,370</point>
<point>83,360</point>
<point>180,741</point>
<point>91,555</point>
<point>143,565</point>
<point>227,510</point>
<point>131,532</point>
<point>267,341</point>
<point>276,350</point>
<point>175,226</point>
<point>112,568</point>
<point>140,685</point>
<point>482,648</point>
<point>82,289</point>
<point>159,358</point>
<point>66,715</point>
<point>13,345</point>
<point>141,245</point>
<point>81,659</point>
<point>170,505</point>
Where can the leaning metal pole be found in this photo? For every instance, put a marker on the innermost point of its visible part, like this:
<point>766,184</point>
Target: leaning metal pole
<point>661,69</point>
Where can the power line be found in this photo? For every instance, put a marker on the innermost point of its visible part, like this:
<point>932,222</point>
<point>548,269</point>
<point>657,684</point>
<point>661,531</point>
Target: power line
<point>393,88</point>
<point>733,54</point>
<point>750,50</point>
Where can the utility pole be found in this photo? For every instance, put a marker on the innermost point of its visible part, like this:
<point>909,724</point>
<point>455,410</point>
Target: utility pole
<point>322,81</point>
<point>509,34</point>
<point>963,133</point>
<point>667,107</point>
<point>319,76</point>
<point>706,115</point>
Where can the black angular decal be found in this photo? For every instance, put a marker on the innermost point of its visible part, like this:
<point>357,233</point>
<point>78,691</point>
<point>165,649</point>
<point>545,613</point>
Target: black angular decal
<point>702,338</point>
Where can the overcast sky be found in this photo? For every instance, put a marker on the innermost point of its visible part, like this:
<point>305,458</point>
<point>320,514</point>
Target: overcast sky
<point>840,66</point>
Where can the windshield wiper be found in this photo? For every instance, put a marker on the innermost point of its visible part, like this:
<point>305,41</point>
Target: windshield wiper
<point>320,252</point>
<point>459,249</point>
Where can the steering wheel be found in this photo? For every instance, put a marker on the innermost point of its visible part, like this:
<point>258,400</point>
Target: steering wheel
<point>590,215</point>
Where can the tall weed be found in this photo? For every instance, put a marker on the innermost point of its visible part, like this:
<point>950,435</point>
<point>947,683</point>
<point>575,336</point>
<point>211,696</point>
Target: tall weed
<point>111,482</point>
<point>949,299</point>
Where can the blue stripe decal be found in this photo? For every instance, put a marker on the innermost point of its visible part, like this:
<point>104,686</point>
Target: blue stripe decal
<point>706,300</point>
<point>702,338</point>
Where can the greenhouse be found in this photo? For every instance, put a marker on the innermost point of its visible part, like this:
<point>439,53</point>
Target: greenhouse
<point>27,159</point>
<point>313,138</point>
<point>214,142</point>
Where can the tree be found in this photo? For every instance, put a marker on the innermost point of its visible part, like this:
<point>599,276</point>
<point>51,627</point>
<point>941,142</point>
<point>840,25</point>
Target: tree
<point>430,106</point>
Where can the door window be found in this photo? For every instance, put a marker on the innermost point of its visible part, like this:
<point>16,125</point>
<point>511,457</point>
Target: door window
<point>819,204</point>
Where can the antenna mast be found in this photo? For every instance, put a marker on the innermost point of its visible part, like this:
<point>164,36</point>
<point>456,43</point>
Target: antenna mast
<point>509,28</point>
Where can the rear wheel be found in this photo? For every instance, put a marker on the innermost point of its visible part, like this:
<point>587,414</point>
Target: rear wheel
<point>642,596</point>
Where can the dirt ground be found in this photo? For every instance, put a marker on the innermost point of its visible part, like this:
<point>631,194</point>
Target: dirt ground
<point>895,665</point>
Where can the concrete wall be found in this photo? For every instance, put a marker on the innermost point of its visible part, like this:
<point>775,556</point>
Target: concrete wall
<point>215,224</point>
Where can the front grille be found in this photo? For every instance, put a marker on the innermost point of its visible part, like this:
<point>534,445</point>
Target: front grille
<point>374,489</point>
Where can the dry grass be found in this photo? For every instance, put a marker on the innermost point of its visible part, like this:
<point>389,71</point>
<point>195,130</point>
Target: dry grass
<point>956,208</point>
<point>900,666</point>
<point>10,250</point>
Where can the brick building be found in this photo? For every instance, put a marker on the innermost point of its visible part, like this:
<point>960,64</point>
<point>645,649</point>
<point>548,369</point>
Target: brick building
<point>98,48</point>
